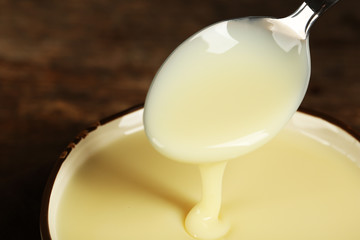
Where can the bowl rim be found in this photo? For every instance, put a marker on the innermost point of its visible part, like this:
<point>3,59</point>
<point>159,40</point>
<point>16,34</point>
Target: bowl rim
<point>44,210</point>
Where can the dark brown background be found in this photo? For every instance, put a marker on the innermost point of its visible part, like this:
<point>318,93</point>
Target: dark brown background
<point>66,64</point>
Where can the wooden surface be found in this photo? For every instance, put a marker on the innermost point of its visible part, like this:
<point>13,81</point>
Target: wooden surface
<point>66,64</point>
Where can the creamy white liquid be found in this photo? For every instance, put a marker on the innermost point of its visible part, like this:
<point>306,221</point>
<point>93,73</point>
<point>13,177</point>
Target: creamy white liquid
<point>293,188</point>
<point>224,92</point>
<point>203,219</point>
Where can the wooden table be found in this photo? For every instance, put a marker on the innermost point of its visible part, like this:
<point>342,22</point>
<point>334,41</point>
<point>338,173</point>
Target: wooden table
<point>66,64</point>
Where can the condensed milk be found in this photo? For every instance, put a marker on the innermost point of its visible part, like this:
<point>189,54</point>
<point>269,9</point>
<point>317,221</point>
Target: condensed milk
<point>303,184</point>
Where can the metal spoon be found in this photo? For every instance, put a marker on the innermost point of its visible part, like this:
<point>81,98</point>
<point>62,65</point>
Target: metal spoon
<point>289,33</point>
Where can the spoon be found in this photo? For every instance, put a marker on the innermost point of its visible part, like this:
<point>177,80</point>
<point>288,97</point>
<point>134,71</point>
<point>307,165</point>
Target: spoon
<point>225,91</point>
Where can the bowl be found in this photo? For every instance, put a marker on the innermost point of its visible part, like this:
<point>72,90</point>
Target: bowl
<point>314,125</point>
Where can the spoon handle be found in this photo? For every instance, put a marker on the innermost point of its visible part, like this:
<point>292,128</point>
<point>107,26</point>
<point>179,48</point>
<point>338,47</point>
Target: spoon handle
<point>303,18</point>
<point>320,6</point>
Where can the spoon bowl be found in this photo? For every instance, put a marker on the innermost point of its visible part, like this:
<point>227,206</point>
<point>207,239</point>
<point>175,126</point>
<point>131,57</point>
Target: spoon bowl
<point>259,66</point>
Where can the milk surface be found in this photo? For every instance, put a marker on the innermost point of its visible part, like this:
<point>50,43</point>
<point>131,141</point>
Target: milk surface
<point>294,187</point>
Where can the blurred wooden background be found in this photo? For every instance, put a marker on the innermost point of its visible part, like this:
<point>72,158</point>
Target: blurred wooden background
<point>66,64</point>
